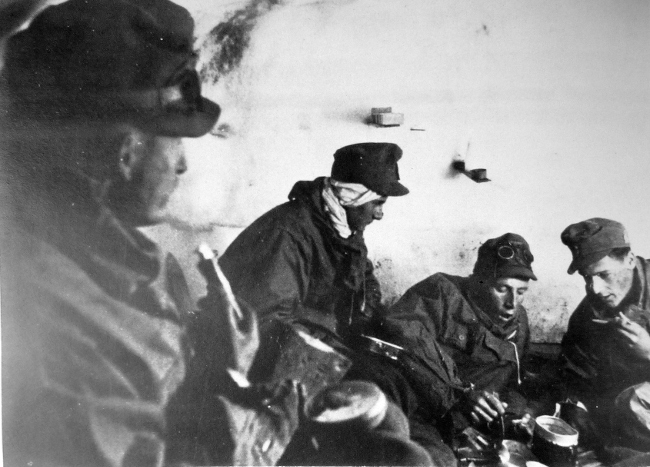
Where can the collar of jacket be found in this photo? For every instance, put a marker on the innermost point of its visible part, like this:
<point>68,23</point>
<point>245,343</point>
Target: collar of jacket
<point>121,259</point>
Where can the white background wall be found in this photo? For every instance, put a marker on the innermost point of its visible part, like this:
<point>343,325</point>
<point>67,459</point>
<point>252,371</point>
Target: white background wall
<point>552,97</point>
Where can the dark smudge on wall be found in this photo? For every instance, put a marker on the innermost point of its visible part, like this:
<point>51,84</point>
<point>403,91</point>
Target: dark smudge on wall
<point>229,40</point>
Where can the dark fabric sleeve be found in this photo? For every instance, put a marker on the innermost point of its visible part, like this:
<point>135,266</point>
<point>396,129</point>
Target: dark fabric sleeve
<point>93,389</point>
<point>367,319</point>
<point>216,422</point>
<point>579,365</point>
<point>373,290</point>
<point>415,320</point>
<point>412,323</point>
<point>224,335</point>
<point>269,270</point>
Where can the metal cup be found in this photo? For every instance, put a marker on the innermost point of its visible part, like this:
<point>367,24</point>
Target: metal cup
<point>348,405</point>
<point>555,442</point>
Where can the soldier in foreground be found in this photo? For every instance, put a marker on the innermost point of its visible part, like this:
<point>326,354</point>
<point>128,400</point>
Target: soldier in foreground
<point>102,361</point>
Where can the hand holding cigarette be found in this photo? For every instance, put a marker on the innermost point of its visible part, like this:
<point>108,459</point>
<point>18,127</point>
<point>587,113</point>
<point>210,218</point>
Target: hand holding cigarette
<point>211,269</point>
<point>232,334</point>
<point>632,336</point>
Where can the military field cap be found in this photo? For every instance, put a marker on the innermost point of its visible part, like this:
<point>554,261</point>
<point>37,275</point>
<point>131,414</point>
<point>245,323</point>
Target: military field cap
<point>127,61</point>
<point>505,256</point>
<point>373,165</point>
<point>592,240</point>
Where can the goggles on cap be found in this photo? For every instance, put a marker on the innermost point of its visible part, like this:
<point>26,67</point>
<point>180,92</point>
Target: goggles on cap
<point>506,252</point>
<point>184,90</point>
<point>514,254</point>
<point>181,94</point>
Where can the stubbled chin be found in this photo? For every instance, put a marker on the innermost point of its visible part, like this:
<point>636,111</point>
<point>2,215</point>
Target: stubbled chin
<point>606,302</point>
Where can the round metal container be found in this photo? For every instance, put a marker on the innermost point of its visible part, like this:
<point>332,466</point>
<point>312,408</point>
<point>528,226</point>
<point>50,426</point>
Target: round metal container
<point>348,404</point>
<point>555,442</point>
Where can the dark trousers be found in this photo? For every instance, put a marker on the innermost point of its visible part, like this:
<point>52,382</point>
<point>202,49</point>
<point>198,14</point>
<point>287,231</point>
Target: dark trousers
<point>427,425</point>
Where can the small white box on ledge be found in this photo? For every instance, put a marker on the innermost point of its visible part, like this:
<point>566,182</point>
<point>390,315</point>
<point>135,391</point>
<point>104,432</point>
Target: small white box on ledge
<point>389,119</point>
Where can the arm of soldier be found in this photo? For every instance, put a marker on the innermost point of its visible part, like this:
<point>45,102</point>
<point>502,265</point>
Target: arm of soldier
<point>369,311</point>
<point>229,420</point>
<point>373,289</point>
<point>271,275</point>
<point>102,386</point>
<point>578,363</point>
<point>417,316</point>
<point>222,423</point>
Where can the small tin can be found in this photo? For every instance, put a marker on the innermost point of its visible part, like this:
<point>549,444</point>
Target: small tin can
<point>555,442</point>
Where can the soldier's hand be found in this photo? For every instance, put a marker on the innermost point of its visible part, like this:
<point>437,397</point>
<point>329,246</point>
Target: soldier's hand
<point>230,339</point>
<point>524,426</point>
<point>483,407</point>
<point>632,336</point>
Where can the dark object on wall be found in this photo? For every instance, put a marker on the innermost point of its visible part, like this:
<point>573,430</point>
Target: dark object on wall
<point>478,175</point>
<point>229,40</point>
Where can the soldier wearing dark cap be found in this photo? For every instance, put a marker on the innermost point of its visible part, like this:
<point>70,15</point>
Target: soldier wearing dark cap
<point>465,332</point>
<point>606,350</point>
<point>102,364</point>
<point>306,260</point>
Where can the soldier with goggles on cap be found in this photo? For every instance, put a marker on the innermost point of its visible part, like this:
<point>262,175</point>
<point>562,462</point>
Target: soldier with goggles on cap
<point>606,350</point>
<point>470,334</point>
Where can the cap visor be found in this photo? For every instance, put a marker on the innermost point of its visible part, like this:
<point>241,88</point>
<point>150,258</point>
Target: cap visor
<point>396,189</point>
<point>516,271</point>
<point>584,261</point>
<point>184,125</point>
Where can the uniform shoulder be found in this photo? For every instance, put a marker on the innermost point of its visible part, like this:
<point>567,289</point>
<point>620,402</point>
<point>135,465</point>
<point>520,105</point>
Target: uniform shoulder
<point>440,280</point>
<point>582,312</point>
<point>437,284</point>
<point>290,216</point>
<point>302,212</point>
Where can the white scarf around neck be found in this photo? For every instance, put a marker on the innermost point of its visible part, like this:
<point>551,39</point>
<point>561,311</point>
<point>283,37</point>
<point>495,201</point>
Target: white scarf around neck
<point>339,195</point>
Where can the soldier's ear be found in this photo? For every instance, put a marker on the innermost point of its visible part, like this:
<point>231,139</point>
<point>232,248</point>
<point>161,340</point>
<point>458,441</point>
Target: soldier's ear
<point>630,260</point>
<point>129,154</point>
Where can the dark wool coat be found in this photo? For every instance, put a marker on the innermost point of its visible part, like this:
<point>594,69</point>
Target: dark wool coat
<point>448,343</point>
<point>292,266</point>
<point>600,371</point>
<point>598,365</point>
<point>97,351</point>
<point>439,309</point>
